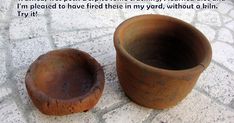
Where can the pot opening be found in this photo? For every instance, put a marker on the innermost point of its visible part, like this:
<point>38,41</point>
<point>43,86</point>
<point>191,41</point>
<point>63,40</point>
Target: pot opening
<point>64,76</point>
<point>164,44</point>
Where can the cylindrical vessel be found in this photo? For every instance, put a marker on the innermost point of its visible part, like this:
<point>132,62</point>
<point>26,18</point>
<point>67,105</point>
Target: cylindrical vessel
<point>159,59</point>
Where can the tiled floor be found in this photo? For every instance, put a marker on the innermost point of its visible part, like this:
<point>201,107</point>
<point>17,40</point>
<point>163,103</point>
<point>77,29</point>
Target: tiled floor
<point>22,40</point>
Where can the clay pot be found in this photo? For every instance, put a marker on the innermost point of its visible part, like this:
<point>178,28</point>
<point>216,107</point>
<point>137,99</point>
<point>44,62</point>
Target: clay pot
<point>65,81</point>
<point>159,59</point>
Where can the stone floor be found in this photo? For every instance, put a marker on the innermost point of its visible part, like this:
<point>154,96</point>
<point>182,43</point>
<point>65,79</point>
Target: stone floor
<point>22,40</point>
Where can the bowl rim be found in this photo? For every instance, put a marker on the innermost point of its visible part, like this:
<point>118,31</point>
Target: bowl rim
<point>120,49</point>
<point>98,83</point>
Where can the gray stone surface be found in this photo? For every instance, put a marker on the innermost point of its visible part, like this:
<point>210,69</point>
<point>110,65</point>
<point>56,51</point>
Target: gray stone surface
<point>112,95</point>
<point>64,39</point>
<point>20,82</point>
<point>4,92</point>
<point>10,113</point>
<point>106,59</point>
<point>186,15</point>
<point>209,17</point>
<point>3,35</point>
<point>129,113</point>
<point>1,42</point>
<point>196,108</point>
<point>110,73</point>
<point>93,46</point>
<point>231,13</point>
<point>26,51</point>
<point>226,18</point>
<point>67,20</point>
<point>22,40</point>
<point>230,25</point>
<point>224,54</point>
<point>38,117</point>
<point>221,86</point>
<point>3,73</point>
<point>225,35</point>
<point>28,27</point>
<point>4,8</point>
<point>208,31</point>
<point>224,8</point>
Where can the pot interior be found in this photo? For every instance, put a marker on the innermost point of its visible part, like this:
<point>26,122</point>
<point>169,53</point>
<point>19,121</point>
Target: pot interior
<point>64,75</point>
<point>164,43</point>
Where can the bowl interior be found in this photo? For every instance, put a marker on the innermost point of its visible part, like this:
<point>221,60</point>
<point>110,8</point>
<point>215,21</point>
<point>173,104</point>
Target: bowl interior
<point>163,42</point>
<point>64,75</point>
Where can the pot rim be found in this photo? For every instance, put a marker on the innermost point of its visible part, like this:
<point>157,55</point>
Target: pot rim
<point>196,69</point>
<point>97,86</point>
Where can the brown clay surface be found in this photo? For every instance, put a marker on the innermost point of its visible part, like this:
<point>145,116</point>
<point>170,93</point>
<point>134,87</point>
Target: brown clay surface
<point>65,81</point>
<point>163,52</point>
<point>159,59</point>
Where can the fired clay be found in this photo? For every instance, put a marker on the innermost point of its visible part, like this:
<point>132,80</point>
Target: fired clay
<point>159,59</point>
<point>65,81</point>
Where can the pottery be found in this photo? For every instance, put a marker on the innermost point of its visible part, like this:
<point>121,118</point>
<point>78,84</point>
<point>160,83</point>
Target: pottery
<point>65,81</point>
<point>159,59</point>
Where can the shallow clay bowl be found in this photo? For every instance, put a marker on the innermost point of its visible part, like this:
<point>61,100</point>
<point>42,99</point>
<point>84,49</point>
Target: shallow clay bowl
<point>65,81</point>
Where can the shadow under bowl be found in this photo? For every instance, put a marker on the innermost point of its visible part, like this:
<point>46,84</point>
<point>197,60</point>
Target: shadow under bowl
<point>65,81</point>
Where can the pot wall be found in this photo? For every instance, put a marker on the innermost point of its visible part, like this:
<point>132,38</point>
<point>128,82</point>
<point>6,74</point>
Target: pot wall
<point>153,89</point>
<point>155,86</point>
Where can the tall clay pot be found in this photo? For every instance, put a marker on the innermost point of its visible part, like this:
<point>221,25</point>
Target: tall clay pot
<point>159,59</point>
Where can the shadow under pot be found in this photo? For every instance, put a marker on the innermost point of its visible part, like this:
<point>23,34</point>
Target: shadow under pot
<point>159,59</point>
<point>65,81</point>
